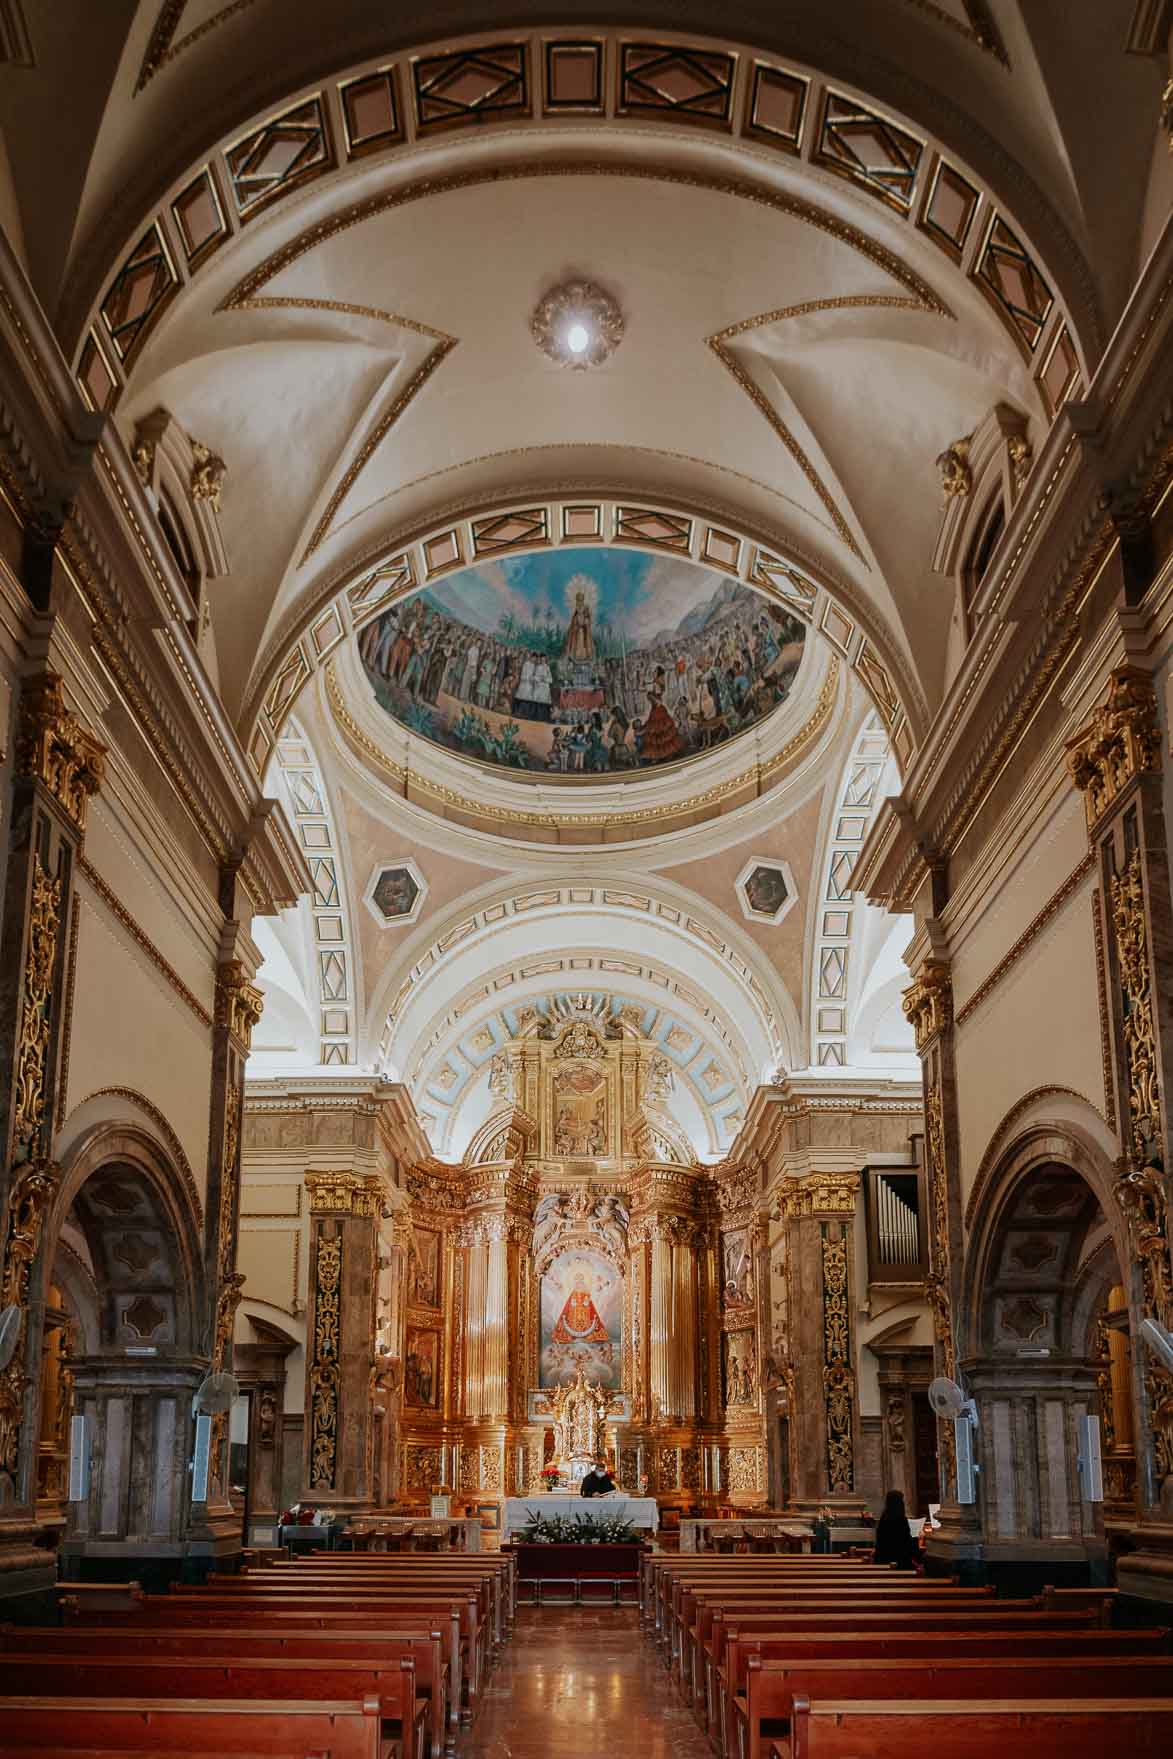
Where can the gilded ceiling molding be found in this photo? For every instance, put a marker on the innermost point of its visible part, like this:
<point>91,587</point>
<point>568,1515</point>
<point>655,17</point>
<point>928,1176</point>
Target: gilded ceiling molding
<point>856,804</point>
<point>761,402</point>
<point>434,359</point>
<point>981,30</point>
<point>424,188</point>
<point>162,47</point>
<point>448,799</point>
<point>332,952</point>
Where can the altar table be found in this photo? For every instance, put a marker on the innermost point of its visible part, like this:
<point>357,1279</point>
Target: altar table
<point>641,1511</point>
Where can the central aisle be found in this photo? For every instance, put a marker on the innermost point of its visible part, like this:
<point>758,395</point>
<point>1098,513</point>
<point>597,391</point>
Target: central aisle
<point>581,1683</point>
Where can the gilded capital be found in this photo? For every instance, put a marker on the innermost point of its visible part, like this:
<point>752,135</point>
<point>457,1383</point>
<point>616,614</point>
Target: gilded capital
<point>1119,743</point>
<point>337,1193</point>
<point>239,1003</point>
<point>928,1003</point>
<point>53,747</point>
<point>816,1194</point>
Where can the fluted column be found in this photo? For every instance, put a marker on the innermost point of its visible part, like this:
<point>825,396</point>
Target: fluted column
<point>660,1324</point>
<point>496,1394</point>
<point>684,1326</point>
<point>475,1285</point>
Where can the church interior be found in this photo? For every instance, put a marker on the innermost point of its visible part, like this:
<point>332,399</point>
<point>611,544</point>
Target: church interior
<point>586,732</point>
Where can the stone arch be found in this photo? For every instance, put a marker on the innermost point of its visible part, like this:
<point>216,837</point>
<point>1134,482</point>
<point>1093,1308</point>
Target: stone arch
<point>122,1260</point>
<point>1047,1242</point>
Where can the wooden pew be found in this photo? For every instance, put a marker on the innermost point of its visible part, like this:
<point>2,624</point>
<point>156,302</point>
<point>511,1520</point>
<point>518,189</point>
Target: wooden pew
<point>175,1725</point>
<point>967,1730</point>
<point>808,1626</point>
<point>496,1576</point>
<point>729,1653</point>
<point>205,1606</point>
<point>667,1581</point>
<point>404,1714</point>
<point>656,1566</point>
<point>693,1610</point>
<point>489,1588</point>
<point>775,1686</point>
<point>376,1651</point>
<point>162,1615</point>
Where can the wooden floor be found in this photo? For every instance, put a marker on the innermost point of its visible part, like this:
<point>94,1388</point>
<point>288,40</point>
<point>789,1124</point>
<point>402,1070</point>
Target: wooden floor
<point>580,1683</point>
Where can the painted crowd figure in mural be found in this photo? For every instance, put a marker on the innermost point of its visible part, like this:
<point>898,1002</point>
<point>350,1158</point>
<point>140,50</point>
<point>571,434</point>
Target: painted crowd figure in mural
<point>583,662</point>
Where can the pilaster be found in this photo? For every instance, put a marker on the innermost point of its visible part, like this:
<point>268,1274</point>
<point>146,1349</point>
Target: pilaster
<point>1115,762</point>
<point>345,1213</point>
<point>59,766</point>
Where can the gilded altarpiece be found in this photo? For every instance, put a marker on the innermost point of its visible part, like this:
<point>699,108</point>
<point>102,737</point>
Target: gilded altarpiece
<point>580,1236</point>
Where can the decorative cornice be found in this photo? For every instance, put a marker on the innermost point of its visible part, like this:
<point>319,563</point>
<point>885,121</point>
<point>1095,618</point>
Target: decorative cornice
<point>928,1003</point>
<point>1030,933</point>
<point>1120,742</point>
<point>55,749</point>
<point>118,909</point>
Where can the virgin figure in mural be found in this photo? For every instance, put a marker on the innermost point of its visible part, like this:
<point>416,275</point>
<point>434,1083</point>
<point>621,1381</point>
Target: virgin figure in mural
<point>582,1319</point>
<point>579,643</point>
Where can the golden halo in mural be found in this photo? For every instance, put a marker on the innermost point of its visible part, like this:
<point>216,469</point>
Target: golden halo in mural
<point>577,324</point>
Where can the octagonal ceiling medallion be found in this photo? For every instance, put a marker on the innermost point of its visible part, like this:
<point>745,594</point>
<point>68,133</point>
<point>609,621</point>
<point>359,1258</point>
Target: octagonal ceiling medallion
<point>583,663</point>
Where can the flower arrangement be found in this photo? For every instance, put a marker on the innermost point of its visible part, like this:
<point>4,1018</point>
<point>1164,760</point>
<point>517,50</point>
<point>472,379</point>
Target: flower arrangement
<point>551,1476</point>
<point>643,1484</point>
<point>577,1530</point>
<point>301,1514</point>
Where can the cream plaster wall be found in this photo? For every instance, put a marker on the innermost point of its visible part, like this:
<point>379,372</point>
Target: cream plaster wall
<point>130,1029</point>
<point>1040,1027</point>
<point>143,894</point>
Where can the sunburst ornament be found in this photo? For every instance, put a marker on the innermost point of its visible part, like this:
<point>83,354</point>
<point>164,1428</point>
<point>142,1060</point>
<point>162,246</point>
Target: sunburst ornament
<point>577,324</point>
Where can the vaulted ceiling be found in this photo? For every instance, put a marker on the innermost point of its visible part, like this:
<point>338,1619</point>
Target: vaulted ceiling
<point>836,238</point>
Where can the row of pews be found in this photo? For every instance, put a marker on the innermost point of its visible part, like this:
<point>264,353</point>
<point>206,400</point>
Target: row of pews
<point>341,1655</point>
<point>837,1658</point>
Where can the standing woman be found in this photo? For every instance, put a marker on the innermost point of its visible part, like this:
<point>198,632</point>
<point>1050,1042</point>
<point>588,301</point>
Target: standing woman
<point>894,1542</point>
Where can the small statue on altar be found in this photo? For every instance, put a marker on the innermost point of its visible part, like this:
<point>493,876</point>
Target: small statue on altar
<point>579,1411</point>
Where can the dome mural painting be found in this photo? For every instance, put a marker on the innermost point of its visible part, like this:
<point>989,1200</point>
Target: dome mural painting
<point>585,662</point>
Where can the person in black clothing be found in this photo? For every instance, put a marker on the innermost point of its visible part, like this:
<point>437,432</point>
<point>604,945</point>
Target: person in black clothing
<point>598,1480</point>
<point>894,1542</point>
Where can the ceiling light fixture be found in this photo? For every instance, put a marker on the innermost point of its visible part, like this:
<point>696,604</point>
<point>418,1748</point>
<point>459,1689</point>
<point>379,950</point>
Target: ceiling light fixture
<point>577,324</point>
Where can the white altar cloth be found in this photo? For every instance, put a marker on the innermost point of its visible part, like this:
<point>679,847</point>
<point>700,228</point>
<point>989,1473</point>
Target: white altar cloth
<point>641,1511</point>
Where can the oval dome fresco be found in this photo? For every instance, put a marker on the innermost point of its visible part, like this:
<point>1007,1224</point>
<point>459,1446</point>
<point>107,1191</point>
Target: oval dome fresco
<point>582,663</point>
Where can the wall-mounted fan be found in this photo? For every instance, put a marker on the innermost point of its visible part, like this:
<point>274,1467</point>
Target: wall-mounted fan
<point>949,1402</point>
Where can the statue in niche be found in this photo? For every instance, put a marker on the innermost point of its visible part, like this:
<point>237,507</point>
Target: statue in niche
<point>579,1411</point>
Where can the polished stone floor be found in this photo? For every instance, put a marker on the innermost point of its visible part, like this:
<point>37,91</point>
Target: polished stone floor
<point>581,1683</point>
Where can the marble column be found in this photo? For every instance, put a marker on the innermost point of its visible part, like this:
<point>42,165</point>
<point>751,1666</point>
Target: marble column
<point>260,1369</point>
<point>1116,763</point>
<point>345,1212</point>
<point>928,1005</point>
<point>216,1536</point>
<point>818,1214</point>
<point>58,767</point>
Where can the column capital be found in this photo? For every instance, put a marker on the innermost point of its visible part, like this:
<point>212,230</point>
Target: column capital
<point>816,1194</point>
<point>239,1003</point>
<point>53,748</point>
<point>1120,742</point>
<point>339,1193</point>
<point>928,1002</point>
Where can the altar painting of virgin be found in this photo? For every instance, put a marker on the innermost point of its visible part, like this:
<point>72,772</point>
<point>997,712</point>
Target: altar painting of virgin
<point>582,1320</point>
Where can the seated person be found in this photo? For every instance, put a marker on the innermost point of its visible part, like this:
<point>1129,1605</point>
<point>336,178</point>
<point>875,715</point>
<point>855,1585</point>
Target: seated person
<point>598,1480</point>
<point>894,1542</point>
